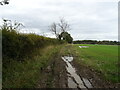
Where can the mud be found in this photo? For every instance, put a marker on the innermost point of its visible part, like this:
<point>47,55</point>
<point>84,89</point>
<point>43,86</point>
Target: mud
<point>93,76</point>
<point>74,80</point>
<point>54,75</point>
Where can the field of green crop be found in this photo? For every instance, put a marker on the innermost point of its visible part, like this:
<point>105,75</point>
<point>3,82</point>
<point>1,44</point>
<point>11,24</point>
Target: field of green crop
<point>103,58</point>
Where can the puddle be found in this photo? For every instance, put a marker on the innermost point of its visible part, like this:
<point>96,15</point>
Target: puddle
<point>74,80</point>
<point>69,59</point>
<point>83,46</point>
<point>72,84</point>
<point>87,83</point>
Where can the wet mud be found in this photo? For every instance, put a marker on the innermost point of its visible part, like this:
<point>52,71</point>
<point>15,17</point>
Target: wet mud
<point>74,80</point>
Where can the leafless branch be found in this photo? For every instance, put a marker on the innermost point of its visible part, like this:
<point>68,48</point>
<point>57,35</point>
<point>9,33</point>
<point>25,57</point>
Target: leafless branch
<point>64,26</point>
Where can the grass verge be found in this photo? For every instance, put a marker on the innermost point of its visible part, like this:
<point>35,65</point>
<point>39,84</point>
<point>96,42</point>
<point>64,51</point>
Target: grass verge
<point>26,74</point>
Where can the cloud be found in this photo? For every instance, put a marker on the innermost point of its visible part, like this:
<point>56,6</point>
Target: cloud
<point>89,19</point>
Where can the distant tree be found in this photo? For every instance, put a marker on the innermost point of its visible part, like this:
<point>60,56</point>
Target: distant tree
<point>54,29</point>
<point>66,36</point>
<point>104,42</point>
<point>60,30</point>
<point>4,2</point>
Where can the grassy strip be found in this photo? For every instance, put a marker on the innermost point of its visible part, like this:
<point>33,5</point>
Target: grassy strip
<point>26,74</point>
<point>103,58</point>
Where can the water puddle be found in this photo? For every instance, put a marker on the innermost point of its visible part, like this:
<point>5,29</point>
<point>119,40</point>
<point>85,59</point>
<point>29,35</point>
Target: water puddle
<point>68,58</point>
<point>74,80</point>
<point>87,83</point>
<point>83,46</point>
<point>71,83</point>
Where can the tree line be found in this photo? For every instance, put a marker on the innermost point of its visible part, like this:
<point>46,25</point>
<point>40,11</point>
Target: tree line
<point>105,42</point>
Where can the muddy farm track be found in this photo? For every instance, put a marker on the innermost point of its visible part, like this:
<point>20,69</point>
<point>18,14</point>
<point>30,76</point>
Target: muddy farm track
<point>65,72</point>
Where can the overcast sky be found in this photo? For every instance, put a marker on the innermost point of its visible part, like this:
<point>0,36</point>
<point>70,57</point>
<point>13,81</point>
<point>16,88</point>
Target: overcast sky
<point>88,19</point>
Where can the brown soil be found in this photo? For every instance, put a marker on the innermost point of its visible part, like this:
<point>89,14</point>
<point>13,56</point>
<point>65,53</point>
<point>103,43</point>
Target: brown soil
<point>93,76</point>
<point>55,75</point>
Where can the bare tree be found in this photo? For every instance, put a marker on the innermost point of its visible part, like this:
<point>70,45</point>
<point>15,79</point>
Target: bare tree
<point>54,29</point>
<point>64,26</point>
<point>58,28</point>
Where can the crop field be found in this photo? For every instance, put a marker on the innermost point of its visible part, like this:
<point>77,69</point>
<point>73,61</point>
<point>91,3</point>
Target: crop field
<point>103,58</point>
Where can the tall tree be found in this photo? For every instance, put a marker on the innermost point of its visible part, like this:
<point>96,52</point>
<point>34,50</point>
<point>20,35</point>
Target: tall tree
<point>58,28</point>
<point>54,29</point>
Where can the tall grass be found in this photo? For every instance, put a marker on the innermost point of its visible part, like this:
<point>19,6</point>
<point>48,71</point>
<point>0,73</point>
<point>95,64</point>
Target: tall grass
<point>28,73</point>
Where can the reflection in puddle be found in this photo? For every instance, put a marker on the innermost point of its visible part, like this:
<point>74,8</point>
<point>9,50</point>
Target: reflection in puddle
<point>83,46</point>
<point>71,83</point>
<point>74,80</point>
<point>69,59</point>
<point>87,83</point>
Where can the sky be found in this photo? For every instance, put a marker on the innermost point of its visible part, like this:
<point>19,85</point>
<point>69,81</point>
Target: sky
<point>88,19</point>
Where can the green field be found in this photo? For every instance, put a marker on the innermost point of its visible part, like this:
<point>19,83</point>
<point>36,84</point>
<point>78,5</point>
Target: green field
<point>103,58</point>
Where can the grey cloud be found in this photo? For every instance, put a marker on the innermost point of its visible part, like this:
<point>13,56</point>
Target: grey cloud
<point>86,19</point>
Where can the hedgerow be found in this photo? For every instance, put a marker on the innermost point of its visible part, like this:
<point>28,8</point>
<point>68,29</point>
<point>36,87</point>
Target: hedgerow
<point>17,46</point>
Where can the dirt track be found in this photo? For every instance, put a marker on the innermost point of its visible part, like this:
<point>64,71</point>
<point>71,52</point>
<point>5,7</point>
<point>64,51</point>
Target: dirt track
<point>57,76</point>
